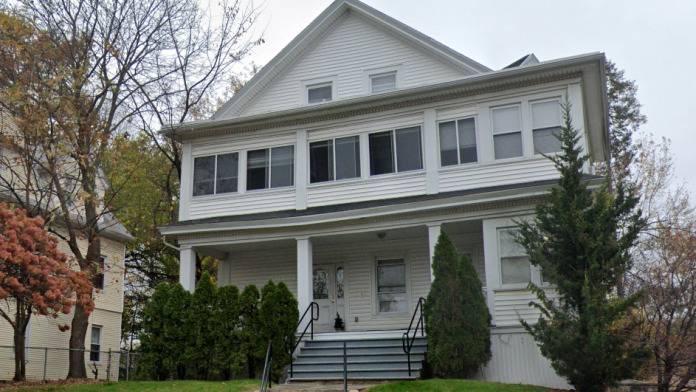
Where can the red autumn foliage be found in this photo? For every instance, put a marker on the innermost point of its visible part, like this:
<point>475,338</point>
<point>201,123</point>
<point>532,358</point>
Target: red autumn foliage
<point>35,276</point>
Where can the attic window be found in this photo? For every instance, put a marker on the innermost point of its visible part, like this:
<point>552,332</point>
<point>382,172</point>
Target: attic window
<point>319,93</point>
<point>382,82</point>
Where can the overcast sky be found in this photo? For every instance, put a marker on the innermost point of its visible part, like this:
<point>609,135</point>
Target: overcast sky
<point>654,41</point>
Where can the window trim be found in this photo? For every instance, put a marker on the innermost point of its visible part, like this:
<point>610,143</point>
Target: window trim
<point>530,104</point>
<point>215,179</point>
<point>519,105</point>
<point>333,155</point>
<point>456,131</point>
<point>305,85</point>
<point>101,338</point>
<point>270,169</point>
<point>395,152</point>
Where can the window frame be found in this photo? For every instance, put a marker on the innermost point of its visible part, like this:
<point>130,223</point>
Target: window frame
<point>407,286</point>
<point>535,275</point>
<point>269,156</point>
<point>378,73</point>
<point>319,84</point>
<point>395,151</point>
<point>333,160</point>
<point>100,273</point>
<point>531,103</point>
<point>521,130</point>
<point>215,172</point>
<point>99,344</point>
<point>456,131</point>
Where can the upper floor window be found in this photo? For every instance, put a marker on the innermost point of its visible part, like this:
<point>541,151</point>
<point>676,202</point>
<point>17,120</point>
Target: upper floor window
<point>271,167</point>
<point>514,262</point>
<point>396,151</point>
<point>382,82</point>
<point>507,132</point>
<point>546,126</point>
<point>334,159</point>
<point>98,278</point>
<point>458,141</point>
<point>322,92</point>
<point>215,174</point>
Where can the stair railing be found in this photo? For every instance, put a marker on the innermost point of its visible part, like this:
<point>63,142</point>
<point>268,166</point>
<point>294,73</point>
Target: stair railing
<point>310,325</point>
<point>267,368</point>
<point>406,339</point>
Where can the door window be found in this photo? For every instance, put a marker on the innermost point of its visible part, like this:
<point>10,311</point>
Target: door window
<point>321,284</point>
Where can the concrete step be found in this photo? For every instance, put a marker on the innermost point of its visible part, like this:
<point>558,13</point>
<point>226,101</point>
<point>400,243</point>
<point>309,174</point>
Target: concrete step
<point>395,365</point>
<point>355,375</point>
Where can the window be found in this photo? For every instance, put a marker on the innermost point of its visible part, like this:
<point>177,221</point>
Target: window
<point>334,159</point>
<point>514,263</point>
<point>507,132</point>
<point>98,278</point>
<point>271,167</point>
<point>546,126</point>
<point>215,174</point>
<point>319,93</point>
<point>458,142</point>
<point>391,286</point>
<point>382,82</point>
<point>95,343</point>
<point>404,144</point>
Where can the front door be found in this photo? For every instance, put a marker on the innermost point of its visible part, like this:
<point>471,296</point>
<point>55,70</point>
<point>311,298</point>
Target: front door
<point>329,294</point>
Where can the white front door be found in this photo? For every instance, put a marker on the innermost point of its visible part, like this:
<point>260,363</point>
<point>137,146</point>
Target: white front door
<point>328,283</point>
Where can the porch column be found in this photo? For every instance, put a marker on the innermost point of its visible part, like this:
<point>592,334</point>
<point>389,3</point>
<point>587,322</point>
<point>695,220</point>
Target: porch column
<point>434,230</point>
<point>304,273</point>
<point>187,268</point>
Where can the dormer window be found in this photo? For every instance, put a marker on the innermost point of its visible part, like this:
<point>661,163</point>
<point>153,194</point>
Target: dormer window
<point>318,93</point>
<point>383,82</point>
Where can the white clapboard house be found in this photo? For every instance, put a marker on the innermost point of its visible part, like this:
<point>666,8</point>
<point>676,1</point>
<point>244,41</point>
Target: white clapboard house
<point>336,167</point>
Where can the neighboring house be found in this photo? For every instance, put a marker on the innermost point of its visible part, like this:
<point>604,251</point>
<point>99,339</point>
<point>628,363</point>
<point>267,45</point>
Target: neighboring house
<point>44,341</point>
<point>337,166</point>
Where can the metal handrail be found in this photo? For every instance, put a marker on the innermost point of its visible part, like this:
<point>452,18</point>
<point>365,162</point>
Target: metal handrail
<point>312,306</point>
<point>267,368</point>
<point>406,339</point>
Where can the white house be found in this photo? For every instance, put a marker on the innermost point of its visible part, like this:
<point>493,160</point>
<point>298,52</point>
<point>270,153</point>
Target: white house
<point>337,166</point>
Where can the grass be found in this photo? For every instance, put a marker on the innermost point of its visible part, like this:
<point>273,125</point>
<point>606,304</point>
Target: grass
<point>151,386</point>
<point>454,385</point>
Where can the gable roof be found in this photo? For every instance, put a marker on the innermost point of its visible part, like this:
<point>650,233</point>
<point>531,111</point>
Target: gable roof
<point>529,59</point>
<point>315,30</point>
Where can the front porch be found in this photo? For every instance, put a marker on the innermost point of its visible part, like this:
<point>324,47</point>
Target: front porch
<point>371,279</point>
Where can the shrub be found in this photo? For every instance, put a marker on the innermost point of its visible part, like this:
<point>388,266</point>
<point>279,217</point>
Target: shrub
<point>226,331</point>
<point>202,323</point>
<point>251,347</point>
<point>457,318</point>
<point>278,315</point>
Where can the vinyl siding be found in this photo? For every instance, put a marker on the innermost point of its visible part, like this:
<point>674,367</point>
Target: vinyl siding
<point>494,174</point>
<point>516,359</point>
<point>350,48</point>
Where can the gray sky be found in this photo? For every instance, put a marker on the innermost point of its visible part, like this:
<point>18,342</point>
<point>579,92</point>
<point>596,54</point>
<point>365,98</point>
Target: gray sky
<point>654,41</point>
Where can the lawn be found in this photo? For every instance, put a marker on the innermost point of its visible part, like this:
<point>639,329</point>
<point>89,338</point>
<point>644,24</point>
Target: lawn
<point>454,385</point>
<point>151,386</point>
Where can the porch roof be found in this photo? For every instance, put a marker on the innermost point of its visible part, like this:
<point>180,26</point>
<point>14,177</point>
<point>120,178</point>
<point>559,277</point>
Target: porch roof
<point>361,209</point>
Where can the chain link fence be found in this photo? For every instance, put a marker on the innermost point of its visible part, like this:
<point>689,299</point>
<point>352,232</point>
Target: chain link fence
<point>51,363</point>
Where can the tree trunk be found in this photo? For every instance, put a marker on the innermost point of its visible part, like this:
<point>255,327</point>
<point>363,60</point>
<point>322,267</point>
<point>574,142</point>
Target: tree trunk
<point>20,364</point>
<point>78,331</point>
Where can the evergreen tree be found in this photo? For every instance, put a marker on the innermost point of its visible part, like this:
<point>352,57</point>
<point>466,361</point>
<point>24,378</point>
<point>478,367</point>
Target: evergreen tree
<point>227,323</point>
<point>177,330</point>
<point>202,324</point>
<point>251,345</point>
<point>457,318</point>
<point>580,239</point>
<point>153,341</point>
<point>278,315</point>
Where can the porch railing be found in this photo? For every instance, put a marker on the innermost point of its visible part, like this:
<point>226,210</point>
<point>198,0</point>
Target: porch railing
<point>267,368</point>
<point>406,339</point>
<point>313,316</point>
